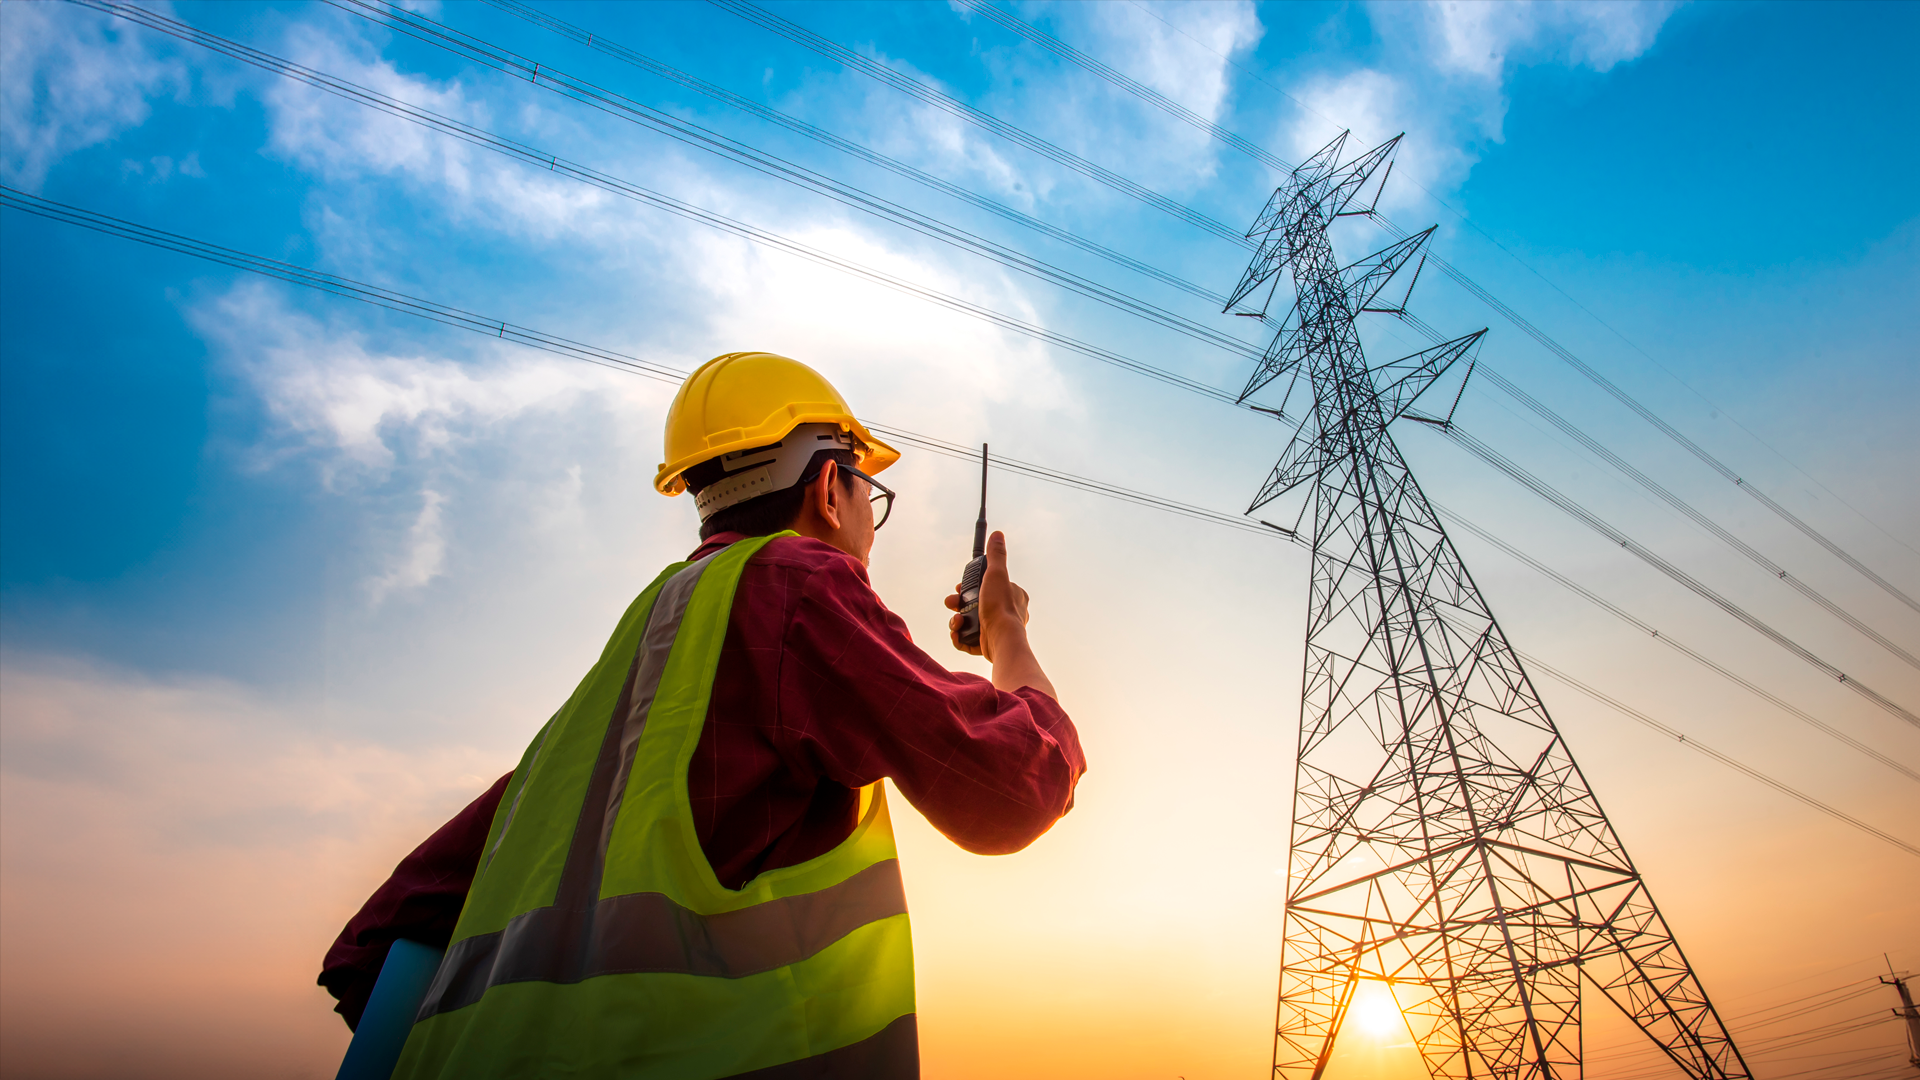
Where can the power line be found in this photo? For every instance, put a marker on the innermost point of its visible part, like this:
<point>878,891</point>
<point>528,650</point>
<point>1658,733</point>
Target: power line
<point>334,284</point>
<point>1670,641</point>
<point>1817,1006</point>
<point>599,43</point>
<point>1659,491</point>
<point>1147,93</point>
<point>1848,992</point>
<point>1586,517</point>
<point>914,88</point>
<point>394,300</point>
<point>1851,990</point>
<point>1619,1053</point>
<point>1768,1048</point>
<point>347,288</point>
<point>1614,390</point>
<point>1700,747</point>
<point>967,453</point>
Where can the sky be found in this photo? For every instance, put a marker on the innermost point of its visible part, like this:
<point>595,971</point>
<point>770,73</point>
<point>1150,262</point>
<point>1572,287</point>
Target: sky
<point>286,579</point>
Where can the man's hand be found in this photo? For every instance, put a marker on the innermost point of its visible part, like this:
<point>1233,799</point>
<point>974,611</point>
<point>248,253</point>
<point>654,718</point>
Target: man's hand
<point>1003,625</point>
<point>1002,603</point>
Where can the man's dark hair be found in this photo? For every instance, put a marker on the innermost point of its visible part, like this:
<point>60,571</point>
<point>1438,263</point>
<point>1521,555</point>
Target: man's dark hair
<point>766,513</point>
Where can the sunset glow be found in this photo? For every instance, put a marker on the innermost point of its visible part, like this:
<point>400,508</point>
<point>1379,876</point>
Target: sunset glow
<point>1375,1013</point>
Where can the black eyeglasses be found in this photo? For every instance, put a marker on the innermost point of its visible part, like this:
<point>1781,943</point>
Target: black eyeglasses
<point>882,496</point>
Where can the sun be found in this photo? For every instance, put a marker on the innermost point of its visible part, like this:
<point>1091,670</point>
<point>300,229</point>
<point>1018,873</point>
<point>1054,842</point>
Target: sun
<point>1374,1011</point>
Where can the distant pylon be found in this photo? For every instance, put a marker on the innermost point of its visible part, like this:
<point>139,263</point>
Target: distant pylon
<point>1443,841</point>
<point>1906,1012</point>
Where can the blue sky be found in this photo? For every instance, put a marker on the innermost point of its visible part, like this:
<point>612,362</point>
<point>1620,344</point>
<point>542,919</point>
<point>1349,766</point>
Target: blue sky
<point>304,537</point>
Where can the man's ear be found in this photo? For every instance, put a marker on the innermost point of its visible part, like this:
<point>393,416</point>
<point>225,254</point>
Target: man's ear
<point>825,493</point>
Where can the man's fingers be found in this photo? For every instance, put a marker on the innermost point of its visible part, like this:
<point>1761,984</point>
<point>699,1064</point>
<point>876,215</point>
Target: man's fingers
<point>953,602</point>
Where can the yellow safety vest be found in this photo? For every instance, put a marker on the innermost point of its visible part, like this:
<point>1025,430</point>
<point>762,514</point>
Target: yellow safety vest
<point>596,941</point>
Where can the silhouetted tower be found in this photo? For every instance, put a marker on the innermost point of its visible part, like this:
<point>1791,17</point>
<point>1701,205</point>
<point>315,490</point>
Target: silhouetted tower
<point>1907,1011</point>
<point>1443,841</point>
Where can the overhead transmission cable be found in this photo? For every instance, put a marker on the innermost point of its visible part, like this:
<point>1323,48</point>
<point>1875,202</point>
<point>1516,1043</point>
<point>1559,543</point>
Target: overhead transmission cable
<point>1747,1022</point>
<point>379,296</point>
<point>1670,641</point>
<point>1574,509</point>
<point>475,48</point>
<point>1009,21</point>
<point>1645,413</point>
<point>1639,1059</point>
<point>477,136</point>
<point>1660,491</point>
<point>395,300</point>
<point>919,90</point>
<point>1180,112</point>
<point>599,43</point>
<point>1698,747</point>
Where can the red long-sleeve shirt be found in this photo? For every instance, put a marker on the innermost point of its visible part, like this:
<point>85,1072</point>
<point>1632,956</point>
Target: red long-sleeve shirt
<point>820,691</point>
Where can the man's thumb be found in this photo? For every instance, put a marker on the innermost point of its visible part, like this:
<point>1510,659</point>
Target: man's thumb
<point>997,552</point>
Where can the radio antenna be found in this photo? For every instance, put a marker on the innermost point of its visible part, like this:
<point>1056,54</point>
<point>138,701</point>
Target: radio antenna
<point>980,526</point>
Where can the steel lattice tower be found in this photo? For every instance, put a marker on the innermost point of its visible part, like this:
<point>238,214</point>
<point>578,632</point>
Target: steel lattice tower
<point>1443,840</point>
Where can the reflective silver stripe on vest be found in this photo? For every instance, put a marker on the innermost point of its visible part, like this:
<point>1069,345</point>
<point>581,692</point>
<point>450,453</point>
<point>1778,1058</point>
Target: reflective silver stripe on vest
<point>893,1053</point>
<point>650,662</point>
<point>580,936</point>
<point>648,932</point>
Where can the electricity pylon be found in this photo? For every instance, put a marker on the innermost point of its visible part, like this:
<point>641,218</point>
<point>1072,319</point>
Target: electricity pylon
<point>1443,841</point>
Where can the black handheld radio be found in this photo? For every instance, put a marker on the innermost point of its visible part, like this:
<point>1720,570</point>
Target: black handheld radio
<point>977,568</point>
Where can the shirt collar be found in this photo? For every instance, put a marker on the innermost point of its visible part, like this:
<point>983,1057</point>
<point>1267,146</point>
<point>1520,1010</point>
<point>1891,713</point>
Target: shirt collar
<point>715,543</point>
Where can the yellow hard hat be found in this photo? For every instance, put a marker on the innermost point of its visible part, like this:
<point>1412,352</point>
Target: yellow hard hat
<point>749,399</point>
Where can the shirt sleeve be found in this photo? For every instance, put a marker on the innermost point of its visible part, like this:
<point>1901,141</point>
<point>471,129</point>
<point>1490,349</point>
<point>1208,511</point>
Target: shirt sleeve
<point>860,701</point>
<point>420,901</point>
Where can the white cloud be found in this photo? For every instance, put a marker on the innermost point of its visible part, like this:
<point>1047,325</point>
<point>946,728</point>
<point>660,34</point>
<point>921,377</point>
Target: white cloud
<point>1179,50</point>
<point>906,353</point>
<point>358,411</point>
<point>1162,56</point>
<point>1477,37</point>
<point>70,79</point>
<point>368,421</point>
<point>920,134</point>
<point>1445,86</point>
<point>337,140</point>
<point>1376,106</point>
<point>425,555</point>
<point>344,142</point>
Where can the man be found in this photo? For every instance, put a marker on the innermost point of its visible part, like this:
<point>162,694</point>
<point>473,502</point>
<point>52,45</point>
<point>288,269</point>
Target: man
<point>691,873</point>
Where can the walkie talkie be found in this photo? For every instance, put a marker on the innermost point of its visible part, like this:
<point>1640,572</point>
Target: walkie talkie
<point>976,568</point>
